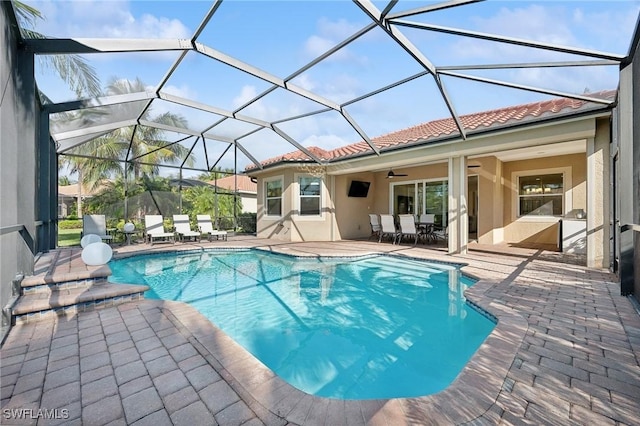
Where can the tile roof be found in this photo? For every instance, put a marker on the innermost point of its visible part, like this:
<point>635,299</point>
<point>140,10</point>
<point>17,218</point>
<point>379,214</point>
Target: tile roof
<point>72,190</point>
<point>244,183</point>
<point>445,127</point>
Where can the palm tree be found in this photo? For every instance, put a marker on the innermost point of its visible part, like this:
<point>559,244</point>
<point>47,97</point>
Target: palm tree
<point>73,69</point>
<point>104,157</point>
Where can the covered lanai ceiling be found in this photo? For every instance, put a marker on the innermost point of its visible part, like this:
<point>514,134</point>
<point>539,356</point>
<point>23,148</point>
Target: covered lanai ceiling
<point>255,80</point>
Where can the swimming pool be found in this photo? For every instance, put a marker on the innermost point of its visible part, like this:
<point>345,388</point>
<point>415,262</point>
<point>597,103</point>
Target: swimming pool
<point>350,328</point>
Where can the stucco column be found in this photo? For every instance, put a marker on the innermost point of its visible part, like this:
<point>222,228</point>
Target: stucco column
<point>458,213</point>
<point>598,197</point>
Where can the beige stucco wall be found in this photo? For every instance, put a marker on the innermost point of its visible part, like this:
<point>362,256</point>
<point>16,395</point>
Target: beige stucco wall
<point>497,221</point>
<point>541,230</point>
<point>249,203</point>
<point>290,226</point>
<point>490,199</point>
<point>346,217</point>
<point>352,213</point>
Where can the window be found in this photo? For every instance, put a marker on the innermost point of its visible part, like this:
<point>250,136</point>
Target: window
<point>309,195</point>
<point>541,195</point>
<point>273,197</point>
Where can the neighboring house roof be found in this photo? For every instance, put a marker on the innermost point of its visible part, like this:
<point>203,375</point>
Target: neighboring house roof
<point>432,131</point>
<point>229,183</point>
<point>72,190</point>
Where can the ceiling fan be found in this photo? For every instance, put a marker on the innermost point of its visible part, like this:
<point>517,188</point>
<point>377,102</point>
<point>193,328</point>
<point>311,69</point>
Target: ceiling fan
<point>391,174</point>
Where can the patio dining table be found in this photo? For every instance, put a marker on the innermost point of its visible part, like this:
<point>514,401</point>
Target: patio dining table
<point>426,230</point>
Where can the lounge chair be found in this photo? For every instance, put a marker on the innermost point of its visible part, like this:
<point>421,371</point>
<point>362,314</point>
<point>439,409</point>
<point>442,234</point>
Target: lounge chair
<point>206,228</point>
<point>154,229</point>
<point>387,227</point>
<point>95,224</point>
<point>183,227</point>
<point>407,227</point>
<point>374,221</point>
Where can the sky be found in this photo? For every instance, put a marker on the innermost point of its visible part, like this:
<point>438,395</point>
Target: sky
<point>280,37</point>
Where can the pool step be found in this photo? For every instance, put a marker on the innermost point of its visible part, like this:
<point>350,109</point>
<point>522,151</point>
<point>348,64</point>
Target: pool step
<point>66,301</point>
<point>63,285</point>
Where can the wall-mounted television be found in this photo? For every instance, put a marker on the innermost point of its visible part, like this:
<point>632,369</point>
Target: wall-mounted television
<point>359,188</point>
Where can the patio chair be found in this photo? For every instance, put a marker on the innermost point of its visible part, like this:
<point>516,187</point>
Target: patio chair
<point>154,229</point>
<point>425,225</point>
<point>387,227</point>
<point>407,227</point>
<point>440,234</point>
<point>183,227</point>
<point>374,221</point>
<point>206,228</point>
<point>95,224</point>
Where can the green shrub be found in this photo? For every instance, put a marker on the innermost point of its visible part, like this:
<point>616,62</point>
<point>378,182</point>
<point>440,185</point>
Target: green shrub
<point>70,224</point>
<point>247,223</point>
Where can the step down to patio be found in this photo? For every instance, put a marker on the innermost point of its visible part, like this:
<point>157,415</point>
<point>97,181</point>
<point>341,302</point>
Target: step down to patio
<point>63,285</point>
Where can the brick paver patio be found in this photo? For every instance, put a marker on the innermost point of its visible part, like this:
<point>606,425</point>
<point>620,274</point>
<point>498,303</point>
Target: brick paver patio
<point>566,351</point>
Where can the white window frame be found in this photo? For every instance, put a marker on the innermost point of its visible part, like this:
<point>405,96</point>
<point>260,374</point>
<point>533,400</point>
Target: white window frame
<point>266,197</point>
<point>567,193</point>
<point>320,215</point>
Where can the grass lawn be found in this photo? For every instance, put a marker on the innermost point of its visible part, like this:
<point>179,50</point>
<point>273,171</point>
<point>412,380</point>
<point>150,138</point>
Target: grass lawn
<point>69,237</point>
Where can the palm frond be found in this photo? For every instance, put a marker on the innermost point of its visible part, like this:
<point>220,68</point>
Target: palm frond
<point>26,13</point>
<point>77,73</point>
<point>81,77</point>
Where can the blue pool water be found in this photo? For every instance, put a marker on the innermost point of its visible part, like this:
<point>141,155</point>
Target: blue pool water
<point>349,328</point>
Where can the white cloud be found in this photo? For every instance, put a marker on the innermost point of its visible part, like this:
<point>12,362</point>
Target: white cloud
<point>328,142</point>
<point>580,27</point>
<point>183,91</point>
<point>330,33</point>
<point>316,45</point>
<point>246,94</point>
<point>536,22</point>
<point>613,28</point>
<point>306,82</point>
<point>104,19</point>
<point>340,88</point>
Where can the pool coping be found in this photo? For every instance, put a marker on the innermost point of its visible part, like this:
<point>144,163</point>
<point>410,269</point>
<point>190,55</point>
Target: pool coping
<point>468,397</point>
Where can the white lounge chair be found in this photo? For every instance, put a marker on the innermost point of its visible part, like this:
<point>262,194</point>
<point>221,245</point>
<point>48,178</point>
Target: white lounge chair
<point>183,227</point>
<point>407,227</point>
<point>95,224</point>
<point>387,227</point>
<point>206,228</point>
<point>154,229</point>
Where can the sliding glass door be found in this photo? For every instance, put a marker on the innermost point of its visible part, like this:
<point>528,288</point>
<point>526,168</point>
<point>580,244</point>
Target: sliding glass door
<point>404,196</point>
<point>419,197</point>
<point>437,201</point>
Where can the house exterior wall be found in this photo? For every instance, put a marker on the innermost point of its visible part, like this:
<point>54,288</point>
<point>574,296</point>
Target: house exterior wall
<point>290,226</point>
<point>490,199</point>
<point>488,154</point>
<point>18,156</point>
<point>497,204</point>
<point>352,213</point>
<point>542,230</point>
<point>249,203</point>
